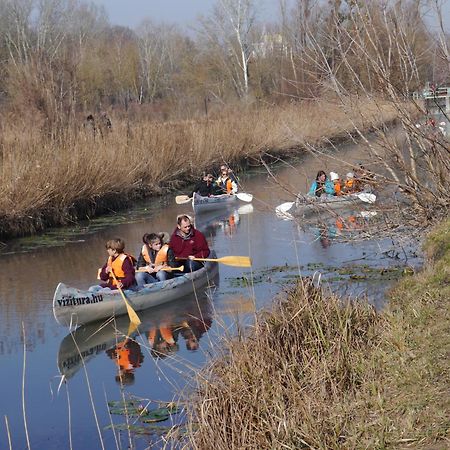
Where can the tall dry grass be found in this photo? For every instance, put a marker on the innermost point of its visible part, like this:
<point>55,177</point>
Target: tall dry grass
<point>323,373</point>
<point>287,384</point>
<point>53,181</point>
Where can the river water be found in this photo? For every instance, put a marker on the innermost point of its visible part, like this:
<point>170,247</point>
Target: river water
<point>33,405</point>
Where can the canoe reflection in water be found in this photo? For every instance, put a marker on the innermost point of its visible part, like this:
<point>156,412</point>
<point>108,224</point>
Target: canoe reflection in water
<point>161,332</point>
<point>227,221</point>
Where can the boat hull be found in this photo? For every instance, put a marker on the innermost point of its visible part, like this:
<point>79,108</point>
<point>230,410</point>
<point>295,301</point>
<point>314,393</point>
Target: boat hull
<point>74,307</point>
<point>203,204</point>
<point>308,206</point>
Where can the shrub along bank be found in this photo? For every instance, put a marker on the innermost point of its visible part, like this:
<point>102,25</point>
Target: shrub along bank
<point>320,372</point>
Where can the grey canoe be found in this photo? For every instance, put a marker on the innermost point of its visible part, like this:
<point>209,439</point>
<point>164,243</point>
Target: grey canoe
<point>203,204</point>
<point>73,307</point>
<point>309,205</point>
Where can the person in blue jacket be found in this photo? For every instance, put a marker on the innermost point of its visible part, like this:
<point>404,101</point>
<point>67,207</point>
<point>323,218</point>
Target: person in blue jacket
<point>321,185</point>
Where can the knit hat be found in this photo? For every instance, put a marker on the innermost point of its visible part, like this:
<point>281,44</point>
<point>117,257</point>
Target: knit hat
<point>334,176</point>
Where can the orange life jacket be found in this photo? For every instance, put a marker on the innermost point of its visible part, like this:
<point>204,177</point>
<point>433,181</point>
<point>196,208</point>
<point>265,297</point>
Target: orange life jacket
<point>161,256</point>
<point>350,184</point>
<point>226,184</point>
<point>116,267</point>
<point>122,358</point>
<point>337,187</point>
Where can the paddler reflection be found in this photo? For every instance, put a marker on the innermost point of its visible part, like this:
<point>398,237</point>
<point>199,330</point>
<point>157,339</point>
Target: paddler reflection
<point>128,356</point>
<point>228,220</point>
<point>165,339</point>
<point>163,329</point>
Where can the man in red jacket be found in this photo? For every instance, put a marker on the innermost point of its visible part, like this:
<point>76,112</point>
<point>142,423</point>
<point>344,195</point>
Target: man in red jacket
<point>188,243</point>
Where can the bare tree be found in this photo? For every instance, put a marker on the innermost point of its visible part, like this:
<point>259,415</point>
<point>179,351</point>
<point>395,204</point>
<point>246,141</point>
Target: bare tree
<point>155,48</point>
<point>228,30</point>
<point>381,52</point>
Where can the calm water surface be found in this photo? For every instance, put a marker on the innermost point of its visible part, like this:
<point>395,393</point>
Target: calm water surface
<point>281,250</point>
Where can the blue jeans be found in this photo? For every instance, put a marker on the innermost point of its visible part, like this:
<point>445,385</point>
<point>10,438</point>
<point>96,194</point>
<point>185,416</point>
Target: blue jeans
<point>192,266</point>
<point>148,278</point>
<point>144,278</point>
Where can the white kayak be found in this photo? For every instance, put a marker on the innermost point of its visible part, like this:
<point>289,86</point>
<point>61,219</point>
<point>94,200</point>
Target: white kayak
<point>73,307</point>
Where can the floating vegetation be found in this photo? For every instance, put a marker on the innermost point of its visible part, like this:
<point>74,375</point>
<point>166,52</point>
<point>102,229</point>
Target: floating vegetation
<point>145,417</point>
<point>139,407</point>
<point>356,273</point>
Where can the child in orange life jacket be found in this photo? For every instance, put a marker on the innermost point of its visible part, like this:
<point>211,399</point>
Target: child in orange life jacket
<point>334,177</point>
<point>226,180</point>
<point>155,255</point>
<point>119,263</point>
<point>350,185</point>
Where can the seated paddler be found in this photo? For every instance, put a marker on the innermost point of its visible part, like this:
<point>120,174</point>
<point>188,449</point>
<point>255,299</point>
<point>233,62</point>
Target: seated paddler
<point>336,182</point>
<point>154,258</point>
<point>207,187</point>
<point>321,185</point>
<point>188,243</point>
<point>226,181</point>
<point>118,271</point>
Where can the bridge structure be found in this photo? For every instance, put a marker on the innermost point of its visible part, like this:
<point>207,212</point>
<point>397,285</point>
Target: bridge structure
<point>436,98</point>
<point>436,101</point>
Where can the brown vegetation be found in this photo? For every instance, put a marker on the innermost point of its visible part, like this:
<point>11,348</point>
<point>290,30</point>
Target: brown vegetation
<point>235,81</point>
<point>55,181</point>
<point>319,372</point>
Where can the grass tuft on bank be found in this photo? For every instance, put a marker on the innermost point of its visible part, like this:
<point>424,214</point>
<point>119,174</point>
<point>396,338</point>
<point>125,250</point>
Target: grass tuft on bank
<point>323,372</point>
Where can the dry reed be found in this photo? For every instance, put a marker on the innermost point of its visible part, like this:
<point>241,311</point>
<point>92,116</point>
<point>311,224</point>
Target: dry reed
<point>323,373</point>
<point>286,385</point>
<point>54,181</point>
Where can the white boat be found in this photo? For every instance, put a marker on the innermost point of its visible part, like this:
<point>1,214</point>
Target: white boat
<point>307,205</point>
<point>214,202</point>
<point>73,307</point>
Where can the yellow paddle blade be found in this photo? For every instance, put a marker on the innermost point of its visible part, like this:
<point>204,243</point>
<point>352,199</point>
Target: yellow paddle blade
<point>131,312</point>
<point>132,328</point>
<point>134,318</point>
<point>237,261</point>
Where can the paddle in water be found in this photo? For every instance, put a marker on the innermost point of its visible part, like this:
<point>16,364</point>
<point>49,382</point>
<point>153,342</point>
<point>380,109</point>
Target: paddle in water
<point>182,199</point>
<point>131,312</point>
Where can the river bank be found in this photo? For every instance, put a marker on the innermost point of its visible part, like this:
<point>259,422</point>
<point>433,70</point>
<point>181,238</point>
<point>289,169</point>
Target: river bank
<point>57,181</point>
<point>317,372</point>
